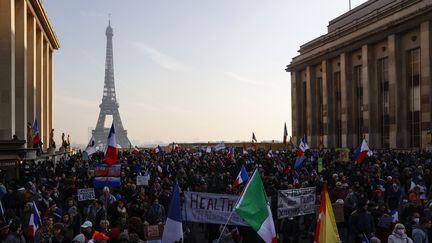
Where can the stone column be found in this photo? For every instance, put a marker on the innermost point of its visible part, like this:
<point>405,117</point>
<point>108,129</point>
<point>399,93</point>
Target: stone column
<point>7,69</point>
<point>327,111</point>
<point>345,83</point>
<point>365,87</point>
<point>294,109</point>
<point>370,98</point>
<point>50,92</point>
<point>46,88</point>
<point>425,80</point>
<point>31,68</point>
<point>393,43</point>
<point>21,69</point>
<point>311,108</point>
<point>398,94</point>
<point>39,79</point>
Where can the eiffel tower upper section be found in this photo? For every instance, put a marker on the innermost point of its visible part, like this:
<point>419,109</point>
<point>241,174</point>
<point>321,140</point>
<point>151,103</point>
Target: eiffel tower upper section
<point>109,105</point>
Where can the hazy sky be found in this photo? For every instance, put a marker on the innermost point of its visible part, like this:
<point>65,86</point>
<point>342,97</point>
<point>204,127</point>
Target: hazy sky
<point>185,70</point>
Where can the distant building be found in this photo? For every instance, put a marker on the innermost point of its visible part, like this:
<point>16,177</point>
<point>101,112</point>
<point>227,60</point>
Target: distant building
<point>369,76</point>
<point>27,42</point>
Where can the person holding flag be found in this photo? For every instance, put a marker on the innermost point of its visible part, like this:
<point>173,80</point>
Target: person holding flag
<point>242,177</point>
<point>111,153</point>
<point>173,230</point>
<point>34,222</point>
<point>91,147</point>
<point>303,146</point>
<point>361,152</point>
<point>254,208</point>
<point>36,136</point>
<point>326,230</point>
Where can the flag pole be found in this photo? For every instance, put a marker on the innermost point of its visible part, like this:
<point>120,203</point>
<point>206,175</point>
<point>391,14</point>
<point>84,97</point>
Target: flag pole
<point>229,217</point>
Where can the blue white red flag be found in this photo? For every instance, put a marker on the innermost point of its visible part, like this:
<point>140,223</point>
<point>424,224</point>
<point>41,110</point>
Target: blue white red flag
<point>303,146</point>
<point>36,136</point>
<point>173,229</point>
<point>361,152</point>
<point>242,177</point>
<point>230,153</point>
<point>34,222</point>
<point>111,154</point>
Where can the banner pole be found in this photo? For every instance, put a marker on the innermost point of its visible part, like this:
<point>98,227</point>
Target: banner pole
<point>229,217</point>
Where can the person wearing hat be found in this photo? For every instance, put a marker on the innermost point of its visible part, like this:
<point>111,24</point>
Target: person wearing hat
<point>338,193</point>
<point>90,233</point>
<point>80,238</point>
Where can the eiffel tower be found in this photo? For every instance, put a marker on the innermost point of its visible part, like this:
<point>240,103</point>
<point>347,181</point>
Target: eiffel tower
<point>109,105</point>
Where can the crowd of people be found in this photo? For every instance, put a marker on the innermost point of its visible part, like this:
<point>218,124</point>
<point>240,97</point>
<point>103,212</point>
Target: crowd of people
<point>395,184</point>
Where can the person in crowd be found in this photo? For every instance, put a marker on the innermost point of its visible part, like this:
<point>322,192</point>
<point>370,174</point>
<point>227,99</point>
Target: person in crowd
<point>107,198</point>
<point>156,214</point>
<point>399,235</point>
<point>361,223</point>
<point>386,179</point>
<point>420,233</point>
<point>90,233</point>
<point>15,233</point>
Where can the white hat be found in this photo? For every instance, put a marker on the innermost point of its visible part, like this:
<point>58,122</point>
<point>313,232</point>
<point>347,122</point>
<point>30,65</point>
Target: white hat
<point>79,238</point>
<point>87,224</point>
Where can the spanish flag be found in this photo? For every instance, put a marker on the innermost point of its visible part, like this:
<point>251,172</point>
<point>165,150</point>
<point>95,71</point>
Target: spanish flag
<point>326,229</point>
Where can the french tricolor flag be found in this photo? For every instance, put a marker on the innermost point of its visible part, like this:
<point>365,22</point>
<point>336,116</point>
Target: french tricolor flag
<point>34,221</point>
<point>111,154</point>
<point>230,153</point>
<point>158,167</point>
<point>173,229</point>
<point>361,152</point>
<point>36,137</point>
<point>242,177</point>
<point>300,153</point>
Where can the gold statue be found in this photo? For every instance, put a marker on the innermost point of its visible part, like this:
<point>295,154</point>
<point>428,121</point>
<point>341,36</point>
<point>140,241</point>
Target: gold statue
<point>29,135</point>
<point>51,140</point>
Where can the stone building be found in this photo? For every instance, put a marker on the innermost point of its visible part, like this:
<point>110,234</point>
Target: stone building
<point>369,76</point>
<point>26,51</point>
<point>27,42</point>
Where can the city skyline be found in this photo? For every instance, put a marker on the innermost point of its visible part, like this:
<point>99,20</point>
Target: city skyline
<point>184,72</point>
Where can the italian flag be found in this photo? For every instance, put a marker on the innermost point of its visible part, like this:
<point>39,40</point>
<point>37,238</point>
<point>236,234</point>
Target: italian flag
<point>253,207</point>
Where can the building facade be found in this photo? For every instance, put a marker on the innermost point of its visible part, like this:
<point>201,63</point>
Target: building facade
<point>368,77</point>
<point>27,42</point>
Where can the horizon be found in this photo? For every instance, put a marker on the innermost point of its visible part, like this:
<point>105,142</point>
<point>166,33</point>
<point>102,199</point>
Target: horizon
<point>184,72</point>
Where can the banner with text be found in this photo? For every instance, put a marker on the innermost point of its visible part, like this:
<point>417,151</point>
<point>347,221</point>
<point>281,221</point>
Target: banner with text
<point>86,194</point>
<point>210,208</point>
<point>296,202</point>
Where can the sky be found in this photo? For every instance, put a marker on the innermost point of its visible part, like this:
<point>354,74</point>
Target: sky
<point>185,71</point>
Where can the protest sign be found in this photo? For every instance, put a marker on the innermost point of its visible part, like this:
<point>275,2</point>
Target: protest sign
<point>153,232</point>
<point>296,202</point>
<point>210,208</point>
<point>142,180</point>
<point>86,194</point>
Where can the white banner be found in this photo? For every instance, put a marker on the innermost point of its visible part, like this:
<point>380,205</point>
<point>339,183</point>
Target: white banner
<point>210,208</point>
<point>86,194</point>
<point>142,180</point>
<point>296,202</point>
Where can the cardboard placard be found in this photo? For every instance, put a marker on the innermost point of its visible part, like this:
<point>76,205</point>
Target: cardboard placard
<point>153,232</point>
